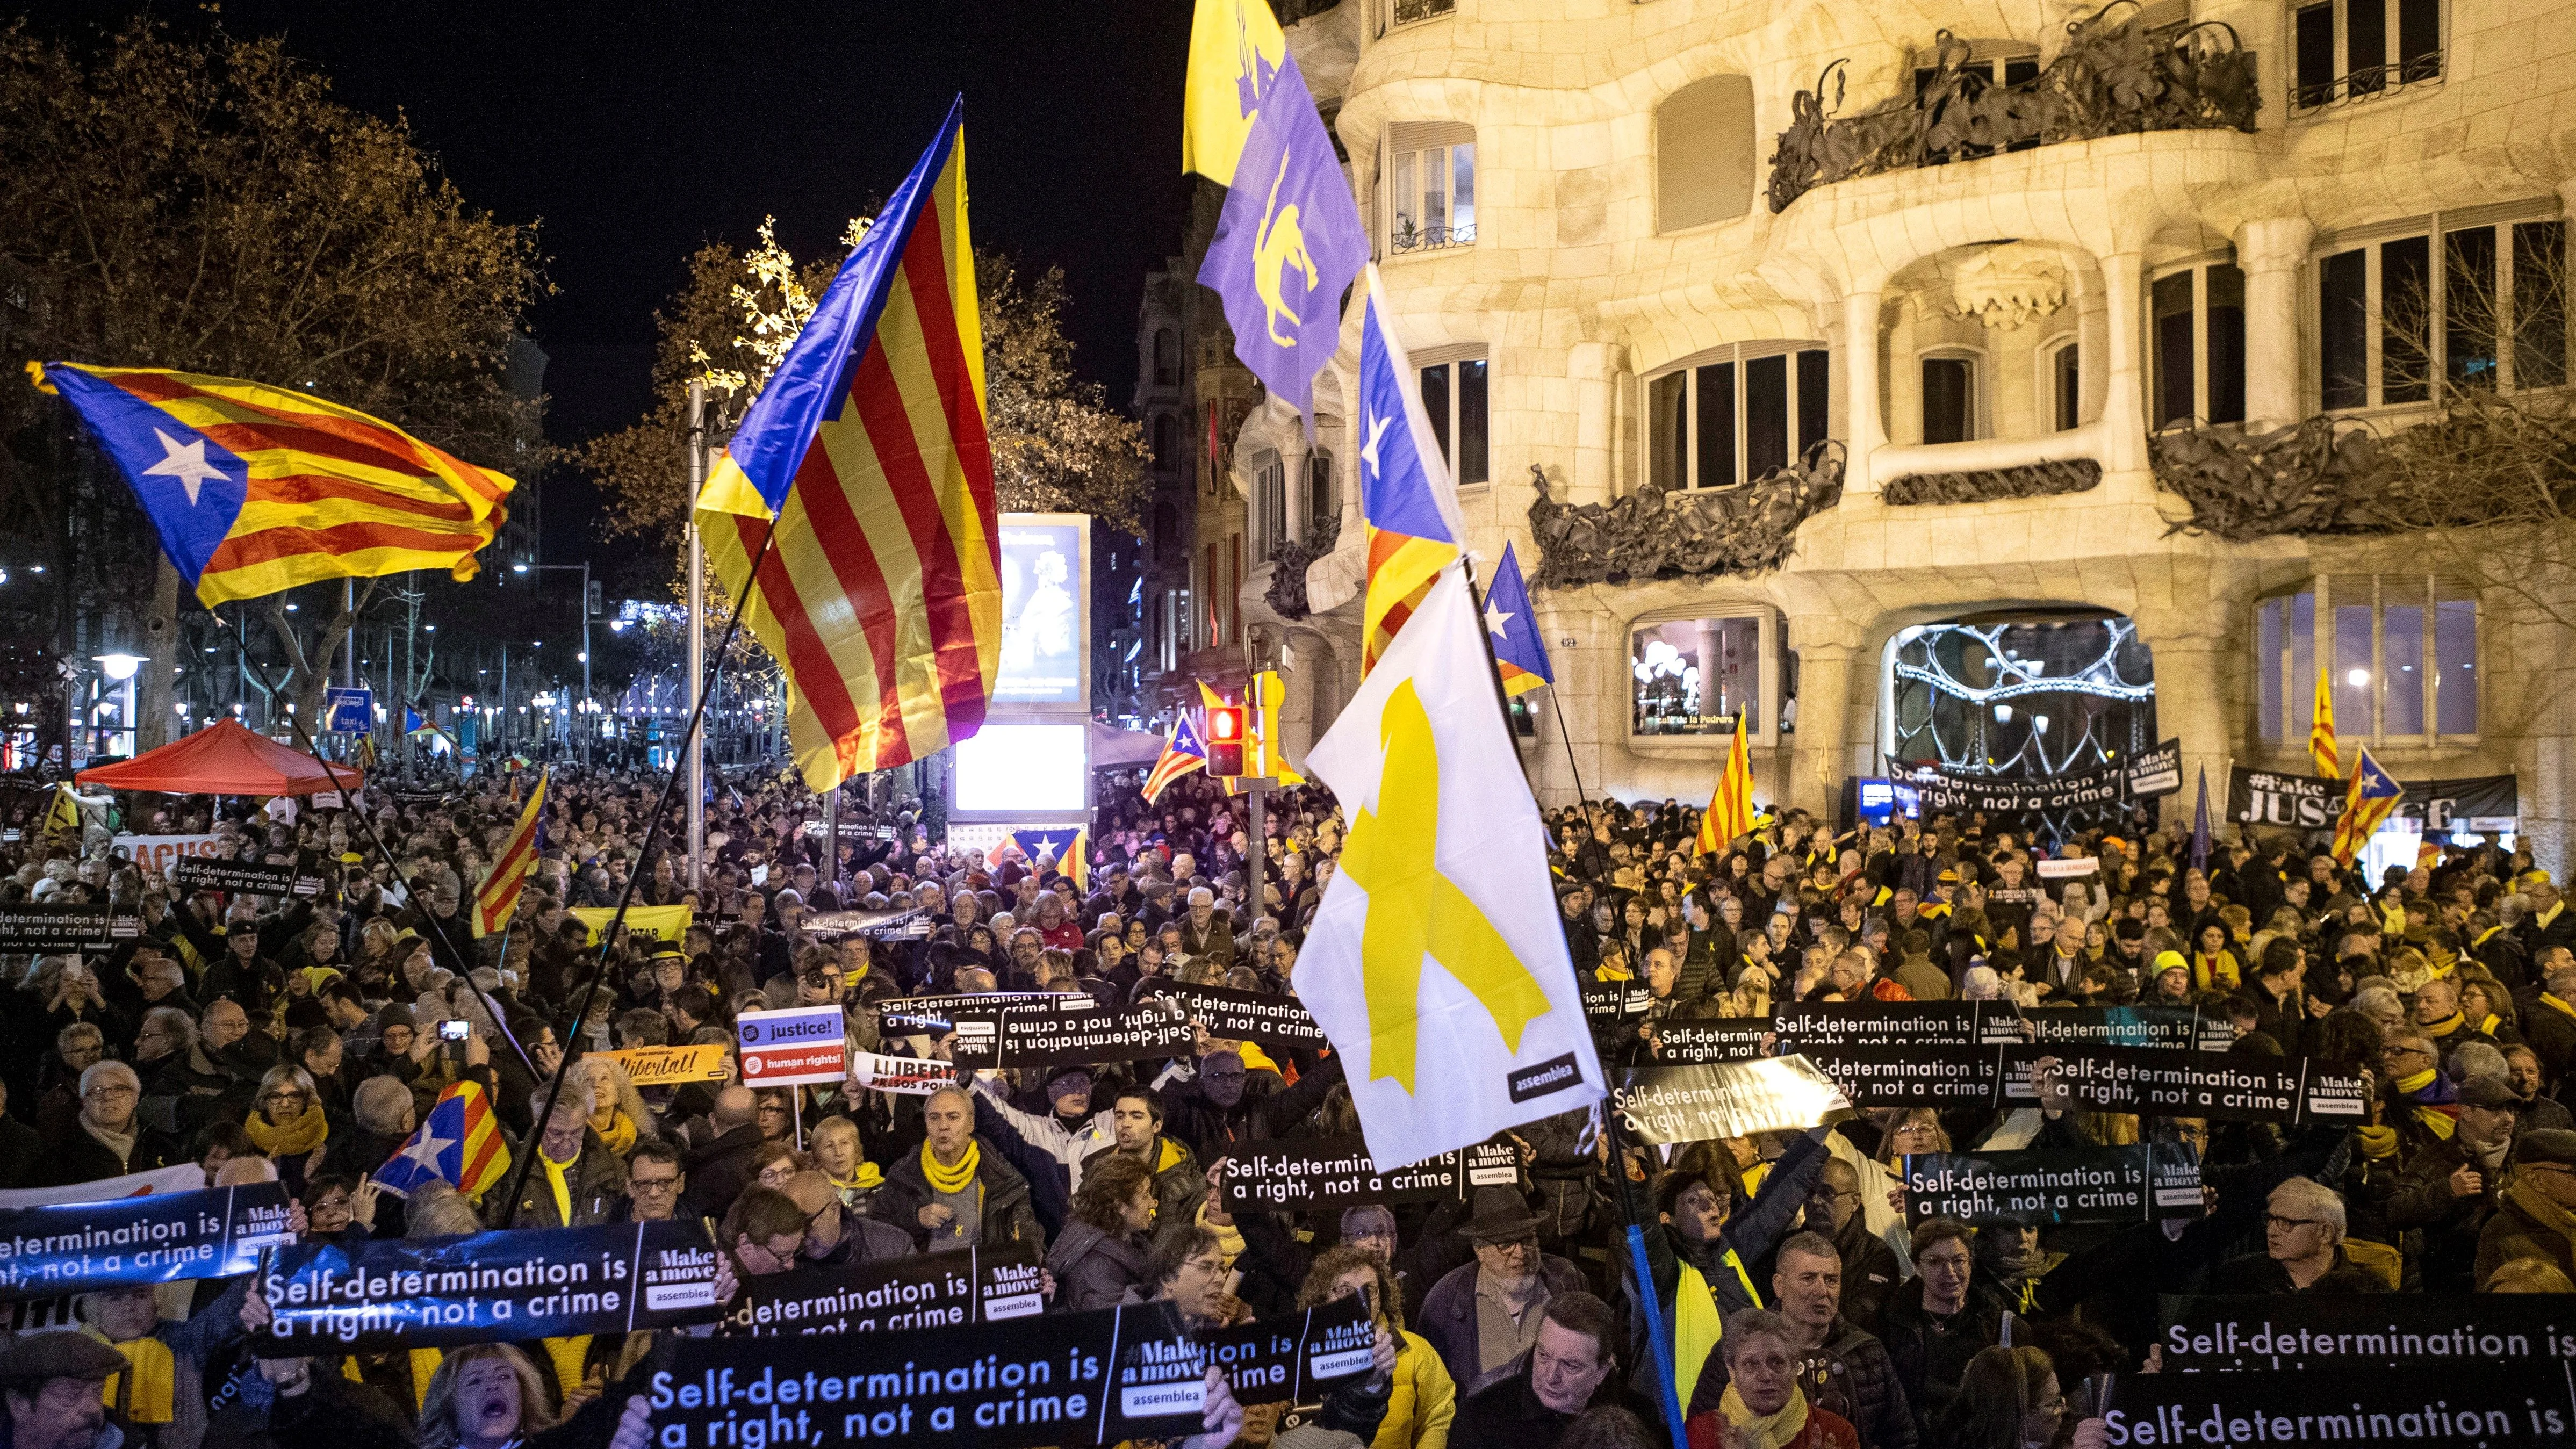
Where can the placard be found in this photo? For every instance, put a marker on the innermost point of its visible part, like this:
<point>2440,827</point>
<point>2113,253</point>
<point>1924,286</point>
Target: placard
<point>1060,1378</point>
<point>1305,1173</point>
<point>1041,1038</point>
<point>788,1048</point>
<point>1612,1002</point>
<point>2468,1404</point>
<point>974,1012</point>
<point>2156,772</point>
<point>669,1066</point>
<point>214,873</point>
<point>1876,1024</point>
<point>668,925</point>
<point>1295,1360</point>
<point>1230,1015</point>
<point>1691,1043</point>
<point>2144,1182</point>
<point>155,854</point>
<point>92,927</point>
<point>487,1287</point>
<point>2230,1087</point>
<point>2533,1332</point>
<point>1895,1076</point>
<point>1702,1103</point>
<point>938,1290</point>
<point>161,1237</point>
<point>908,1076</point>
<point>2172,1028</point>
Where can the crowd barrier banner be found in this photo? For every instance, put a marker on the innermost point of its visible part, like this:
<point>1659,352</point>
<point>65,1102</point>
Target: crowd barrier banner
<point>1295,1360</point>
<point>159,1237</point>
<point>487,1287</point>
<point>1231,1015</point>
<point>1306,1173</point>
<point>940,1290</point>
<point>1726,1099</point>
<point>1105,1377</point>
<point>669,1066</point>
<point>2530,1332</point>
<point>2145,1182</point>
<point>2468,1405</point>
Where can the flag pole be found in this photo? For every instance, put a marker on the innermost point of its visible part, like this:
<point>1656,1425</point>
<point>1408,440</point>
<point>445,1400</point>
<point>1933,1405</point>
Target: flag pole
<point>1558,702</point>
<point>1658,1340</point>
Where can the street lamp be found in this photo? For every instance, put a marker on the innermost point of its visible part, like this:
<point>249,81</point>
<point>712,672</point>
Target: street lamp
<point>584,570</point>
<point>120,670</point>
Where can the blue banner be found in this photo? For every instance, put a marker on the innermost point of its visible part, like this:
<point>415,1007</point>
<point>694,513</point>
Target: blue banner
<point>163,1237</point>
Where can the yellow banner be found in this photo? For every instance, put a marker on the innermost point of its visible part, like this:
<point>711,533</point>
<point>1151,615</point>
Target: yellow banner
<point>669,1066</point>
<point>663,923</point>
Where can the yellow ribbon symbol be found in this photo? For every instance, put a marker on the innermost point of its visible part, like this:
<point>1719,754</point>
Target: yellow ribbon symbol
<point>1413,910</point>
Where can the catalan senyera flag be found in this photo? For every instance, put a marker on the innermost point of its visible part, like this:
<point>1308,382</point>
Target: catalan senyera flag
<point>498,897</point>
<point>2368,799</point>
<point>254,489</point>
<point>1406,497</point>
<point>1182,753</point>
<point>881,593</point>
<point>459,1143</point>
<point>2321,730</point>
<point>1730,809</point>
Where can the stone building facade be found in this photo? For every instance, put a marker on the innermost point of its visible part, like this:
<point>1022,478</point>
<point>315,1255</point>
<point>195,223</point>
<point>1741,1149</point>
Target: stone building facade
<point>1899,372</point>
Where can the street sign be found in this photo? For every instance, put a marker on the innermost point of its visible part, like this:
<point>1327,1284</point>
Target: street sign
<point>784,1048</point>
<point>349,711</point>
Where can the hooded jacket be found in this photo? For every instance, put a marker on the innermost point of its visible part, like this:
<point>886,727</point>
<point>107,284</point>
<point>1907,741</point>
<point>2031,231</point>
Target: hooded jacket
<point>1094,1269</point>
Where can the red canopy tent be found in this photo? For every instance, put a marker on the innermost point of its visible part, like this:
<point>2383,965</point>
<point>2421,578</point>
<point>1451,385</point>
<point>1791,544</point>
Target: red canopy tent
<point>225,759</point>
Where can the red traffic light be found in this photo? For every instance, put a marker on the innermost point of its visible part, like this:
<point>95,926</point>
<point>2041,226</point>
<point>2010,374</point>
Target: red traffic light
<point>1225,740</point>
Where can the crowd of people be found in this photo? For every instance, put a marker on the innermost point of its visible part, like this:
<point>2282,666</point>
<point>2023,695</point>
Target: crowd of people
<point>303,1039</point>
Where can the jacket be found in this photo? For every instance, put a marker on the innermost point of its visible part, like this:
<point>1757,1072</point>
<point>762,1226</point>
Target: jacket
<point>2527,1225</point>
<point>2257,1273</point>
<point>2450,1225</point>
<point>1008,1218</point>
<point>1094,1269</point>
<point>72,1155</point>
<point>1424,1401</point>
<point>1179,1183</point>
<point>1849,1375</point>
<point>194,1342</point>
<point>718,1172</point>
<point>1928,1361</point>
<point>1211,1130</point>
<point>595,1185</point>
<point>1508,1413</point>
<point>1449,1315</point>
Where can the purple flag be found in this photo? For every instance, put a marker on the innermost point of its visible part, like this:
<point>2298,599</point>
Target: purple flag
<point>1287,244</point>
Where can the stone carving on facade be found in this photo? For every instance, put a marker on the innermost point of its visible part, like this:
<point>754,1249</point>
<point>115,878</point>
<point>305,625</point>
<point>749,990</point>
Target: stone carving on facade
<point>1991,485</point>
<point>2007,286</point>
<point>1653,534</point>
<point>1287,591</point>
<point>2116,76</point>
<point>2325,475</point>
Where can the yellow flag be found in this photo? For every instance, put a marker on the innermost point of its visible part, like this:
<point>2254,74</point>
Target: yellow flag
<point>1236,50</point>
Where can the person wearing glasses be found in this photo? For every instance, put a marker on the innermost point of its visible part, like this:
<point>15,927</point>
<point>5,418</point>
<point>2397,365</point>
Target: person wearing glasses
<point>654,1182</point>
<point>1482,1316</point>
<point>2303,1231</point>
<point>105,1139</point>
<point>2536,1214</point>
<point>577,1182</point>
<point>288,1126</point>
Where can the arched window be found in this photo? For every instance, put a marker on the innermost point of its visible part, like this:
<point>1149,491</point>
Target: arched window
<point>1704,153</point>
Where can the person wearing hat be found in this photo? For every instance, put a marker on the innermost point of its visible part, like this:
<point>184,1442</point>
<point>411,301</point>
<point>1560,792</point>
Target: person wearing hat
<point>1068,1131</point>
<point>52,1390</point>
<point>2450,1187</point>
<point>1482,1316</point>
<point>2172,984</point>
<point>2535,1216</point>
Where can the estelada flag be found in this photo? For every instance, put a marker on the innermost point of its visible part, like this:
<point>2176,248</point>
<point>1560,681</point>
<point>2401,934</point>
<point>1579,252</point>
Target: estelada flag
<point>459,1143</point>
<point>255,489</point>
<point>881,594</point>
<point>498,897</point>
<point>2369,798</point>
<point>1407,500</point>
<point>1520,657</point>
<point>1182,753</point>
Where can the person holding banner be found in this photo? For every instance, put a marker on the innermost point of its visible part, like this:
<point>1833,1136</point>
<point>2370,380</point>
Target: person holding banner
<point>1422,1401</point>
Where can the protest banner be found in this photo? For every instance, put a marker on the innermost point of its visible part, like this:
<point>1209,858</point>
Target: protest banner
<point>941,1290</point>
<point>1251,1016</point>
<point>2312,802</point>
<point>2173,1028</point>
<point>1900,1076</point>
<point>1612,1002</point>
<point>1026,1037</point>
<point>666,924</point>
<point>155,854</point>
<point>976,1014</point>
<point>2035,1187</point>
<point>34,927</point>
<point>1801,1025</point>
<point>1689,1043</point>
<point>910,1076</point>
<point>914,923</point>
<point>159,1237</point>
<point>185,1177</point>
<point>2295,1332</point>
<point>2226,1086</point>
<point>1336,1172</point>
<point>2156,772</point>
<point>1294,1360</point>
<point>487,1287</point>
<point>791,1047</point>
<point>669,1066</point>
<point>1104,1377</point>
<point>2471,1404</point>
<point>1991,795</point>
<point>214,873</point>
<point>1726,1099</point>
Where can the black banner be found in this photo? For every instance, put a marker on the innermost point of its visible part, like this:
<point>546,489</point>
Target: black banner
<point>1835,1024</point>
<point>2312,802</point>
<point>1612,1002</point>
<point>1955,794</point>
<point>976,1014</point>
<point>2476,1404</point>
<point>1726,1099</point>
<point>488,1287</point>
<point>1336,1172</point>
<point>162,1237</point>
<point>1295,1360</point>
<point>2146,1182</point>
<point>1230,1015</point>
<point>915,923</point>
<point>2226,1086</point>
<point>1060,1378</point>
<point>1902,1076</point>
<point>210,873</point>
<point>2156,772</point>
<point>943,1290</point>
<point>1026,1037</point>
<point>2533,1332</point>
<point>2170,1028</point>
<point>96,927</point>
<point>1692,1043</point>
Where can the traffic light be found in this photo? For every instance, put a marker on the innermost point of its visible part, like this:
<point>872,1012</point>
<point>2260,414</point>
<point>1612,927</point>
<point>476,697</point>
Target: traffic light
<point>1225,740</point>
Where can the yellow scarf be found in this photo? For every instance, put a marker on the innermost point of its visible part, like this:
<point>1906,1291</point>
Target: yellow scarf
<point>869,1179</point>
<point>1168,1157</point>
<point>2441,1124</point>
<point>2446,1025</point>
<point>2377,1142</point>
<point>2213,973</point>
<point>295,1139</point>
<point>618,1131</point>
<point>948,1180</point>
<point>1768,1430</point>
<point>155,1371</point>
<point>2554,1004</point>
<point>1229,1239</point>
<point>2488,1026</point>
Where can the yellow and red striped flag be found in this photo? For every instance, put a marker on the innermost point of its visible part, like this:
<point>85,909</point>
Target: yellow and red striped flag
<point>2321,730</point>
<point>881,594</point>
<point>256,489</point>
<point>498,897</point>
<point>1730,810</point>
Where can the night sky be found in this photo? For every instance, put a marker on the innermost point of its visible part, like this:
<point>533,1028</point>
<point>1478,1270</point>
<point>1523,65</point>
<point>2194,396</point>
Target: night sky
<point>635,132</point>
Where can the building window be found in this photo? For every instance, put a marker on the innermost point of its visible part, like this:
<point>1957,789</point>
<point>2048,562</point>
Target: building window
<point>1734,414</point>
<point>1167,531</point>
<point>1167,358</point>
<point>2199,336</point>
<point>1704,153</point>
<point>2066,386</point>
<point>2401,649</point>
<point>1431,195</point>
<point>2391,319</point>
<point>1167,444</point>
<point>2354,49</point>
<point>1323,495</point>
<point>1454,394</point>
<point>1413,12</point>
<point>1949,399</point>
<point>1692,676</point>
<point>1269,504</point>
